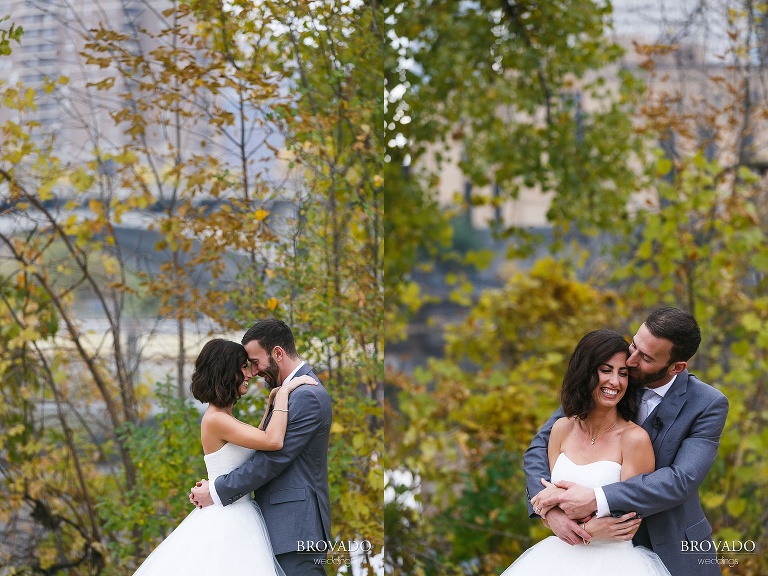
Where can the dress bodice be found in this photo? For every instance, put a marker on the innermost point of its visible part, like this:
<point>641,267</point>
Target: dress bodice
<point>226,459</point>
<point>590,475</point>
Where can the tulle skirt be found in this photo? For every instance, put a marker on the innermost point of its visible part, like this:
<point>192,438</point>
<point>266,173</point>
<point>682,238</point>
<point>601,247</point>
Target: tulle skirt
<point>216,541</point>
<point>553,557</point>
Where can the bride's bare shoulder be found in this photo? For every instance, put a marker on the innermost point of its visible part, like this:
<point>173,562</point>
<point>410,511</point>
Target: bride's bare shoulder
<point>564,425</point>
<point>215,419</point>
<point>633,436</point>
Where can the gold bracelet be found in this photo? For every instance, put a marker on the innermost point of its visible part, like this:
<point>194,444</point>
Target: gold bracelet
<point>279,410</point>
<point>584,527</point>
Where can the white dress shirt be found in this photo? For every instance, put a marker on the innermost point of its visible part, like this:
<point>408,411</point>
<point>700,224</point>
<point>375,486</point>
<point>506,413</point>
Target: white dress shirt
<point>212,483</point>
<point>652,402</point>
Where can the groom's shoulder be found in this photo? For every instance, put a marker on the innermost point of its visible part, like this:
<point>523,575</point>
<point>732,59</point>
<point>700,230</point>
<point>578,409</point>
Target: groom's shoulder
<point>307,392</point>
<point>703,390</point>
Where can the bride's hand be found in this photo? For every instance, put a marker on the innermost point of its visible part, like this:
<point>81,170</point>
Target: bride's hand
<point>549,490</point>
<point>610,528</point>
<point>298,381</point>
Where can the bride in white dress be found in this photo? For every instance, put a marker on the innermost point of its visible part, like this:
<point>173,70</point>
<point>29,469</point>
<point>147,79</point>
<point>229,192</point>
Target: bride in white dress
<point>596,444</point>
<point>225,540</point>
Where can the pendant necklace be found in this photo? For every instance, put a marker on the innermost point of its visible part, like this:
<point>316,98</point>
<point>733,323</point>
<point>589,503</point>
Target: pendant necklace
<point>606,430</point>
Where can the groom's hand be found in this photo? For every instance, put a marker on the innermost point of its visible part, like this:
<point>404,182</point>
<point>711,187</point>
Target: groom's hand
<point>200,495</point>
<point>549,490</point>
<point>576,501</point>
<point>566,529</point>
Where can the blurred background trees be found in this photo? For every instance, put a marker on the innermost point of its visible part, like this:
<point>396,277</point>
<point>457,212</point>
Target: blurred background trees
<point>178,172</point>
<point>602,159</point>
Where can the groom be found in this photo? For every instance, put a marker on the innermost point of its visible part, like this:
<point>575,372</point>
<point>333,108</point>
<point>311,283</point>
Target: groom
<point>290,484</point>
<point>684,418</point>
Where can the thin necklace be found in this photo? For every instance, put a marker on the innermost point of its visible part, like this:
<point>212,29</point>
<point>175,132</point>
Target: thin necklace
<point>606,430</point>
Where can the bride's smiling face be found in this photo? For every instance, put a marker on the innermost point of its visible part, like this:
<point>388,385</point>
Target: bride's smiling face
<point>612,380</point>
<point>243,388</point>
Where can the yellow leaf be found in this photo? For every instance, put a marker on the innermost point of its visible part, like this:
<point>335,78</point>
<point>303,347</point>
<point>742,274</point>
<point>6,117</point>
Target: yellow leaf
<point>712,499</point>
<point>46,189</point>
<point>142,202</point>
<point>29,334</point>
<point>273,303</point>
<point>10,99</point>
<point>736,507</point>
<point>378,180</point>
<point>111,265</point>
<point>29,98</point>
<point>337,428</point>
<point>261,214</point>
<point>80,179</point>
<point>15,430</point>
<point>95,206</point>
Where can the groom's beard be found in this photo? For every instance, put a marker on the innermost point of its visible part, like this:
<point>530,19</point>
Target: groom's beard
<point>271,374</point>
<point>640,379</point>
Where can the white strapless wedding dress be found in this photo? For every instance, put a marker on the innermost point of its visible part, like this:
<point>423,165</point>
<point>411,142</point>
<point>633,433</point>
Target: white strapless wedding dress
<point>217,540</point>
<point>553,557</point>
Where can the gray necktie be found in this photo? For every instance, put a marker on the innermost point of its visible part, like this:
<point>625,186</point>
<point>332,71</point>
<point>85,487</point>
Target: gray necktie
<point>643,408</point>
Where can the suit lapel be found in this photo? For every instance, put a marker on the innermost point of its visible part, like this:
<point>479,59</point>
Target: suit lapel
<point>658,422</point>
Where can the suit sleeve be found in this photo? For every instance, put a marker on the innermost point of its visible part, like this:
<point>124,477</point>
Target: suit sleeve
<point>670,486</point>
<point>304,421</point>
<point>536,460</point>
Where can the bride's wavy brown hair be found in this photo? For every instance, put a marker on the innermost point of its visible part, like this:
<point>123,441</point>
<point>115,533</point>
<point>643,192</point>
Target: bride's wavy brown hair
<point>594,349</point>
<point>217,374</point>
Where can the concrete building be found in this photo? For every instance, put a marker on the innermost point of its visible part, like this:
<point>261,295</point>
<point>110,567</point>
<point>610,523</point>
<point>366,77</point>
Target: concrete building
<point>81,115</point>
<point>55,33</point>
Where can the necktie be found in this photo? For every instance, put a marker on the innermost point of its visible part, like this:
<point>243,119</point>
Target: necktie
<point>643,408</point>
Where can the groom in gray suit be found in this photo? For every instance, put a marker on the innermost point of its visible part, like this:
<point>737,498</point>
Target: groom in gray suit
<point>290,484</point>
<point>684,418</point>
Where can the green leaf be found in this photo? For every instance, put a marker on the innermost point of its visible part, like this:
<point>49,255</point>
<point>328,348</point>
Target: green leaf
<point>480,259</point>
<point>663,167</point>
<point>81,179</point>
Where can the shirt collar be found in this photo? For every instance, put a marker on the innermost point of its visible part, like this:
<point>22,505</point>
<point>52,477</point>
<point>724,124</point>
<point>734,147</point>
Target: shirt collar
<point>292,374</point>
<point>662,390</point>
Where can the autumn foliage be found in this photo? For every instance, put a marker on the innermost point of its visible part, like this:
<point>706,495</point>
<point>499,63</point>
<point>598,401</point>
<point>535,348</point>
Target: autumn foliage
<point>251,155</point>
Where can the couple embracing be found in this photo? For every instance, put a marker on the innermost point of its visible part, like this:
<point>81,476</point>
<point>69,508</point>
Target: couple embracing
<point>283,461</point>
<point>625,454</point>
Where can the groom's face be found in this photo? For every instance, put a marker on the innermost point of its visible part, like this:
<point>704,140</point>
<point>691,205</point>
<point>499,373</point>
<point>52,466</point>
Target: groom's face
<point>263,364</point>
<point>649,359</point>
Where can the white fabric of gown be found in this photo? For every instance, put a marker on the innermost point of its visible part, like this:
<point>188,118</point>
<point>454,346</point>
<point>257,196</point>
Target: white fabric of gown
<point>217,540</point>
<point>553,557</point>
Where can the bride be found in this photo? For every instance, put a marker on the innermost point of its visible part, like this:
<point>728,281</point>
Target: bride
<point>596,444</point>
<point>218,540</point>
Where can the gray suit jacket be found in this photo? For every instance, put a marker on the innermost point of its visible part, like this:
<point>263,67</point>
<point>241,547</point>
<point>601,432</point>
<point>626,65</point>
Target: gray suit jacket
<point>291,484</point>
<point>685,430</point>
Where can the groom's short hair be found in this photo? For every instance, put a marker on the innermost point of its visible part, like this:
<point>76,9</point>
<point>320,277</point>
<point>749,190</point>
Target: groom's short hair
<point>677,326</point>
<point>271,332</point>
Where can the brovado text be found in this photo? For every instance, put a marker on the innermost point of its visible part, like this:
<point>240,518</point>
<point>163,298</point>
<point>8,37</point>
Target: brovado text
<point>719,546</point>
<point>314,547</point>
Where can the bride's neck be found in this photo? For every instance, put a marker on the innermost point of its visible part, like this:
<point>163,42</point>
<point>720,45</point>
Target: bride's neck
<point>600,419</point>
<point>227,410</point>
